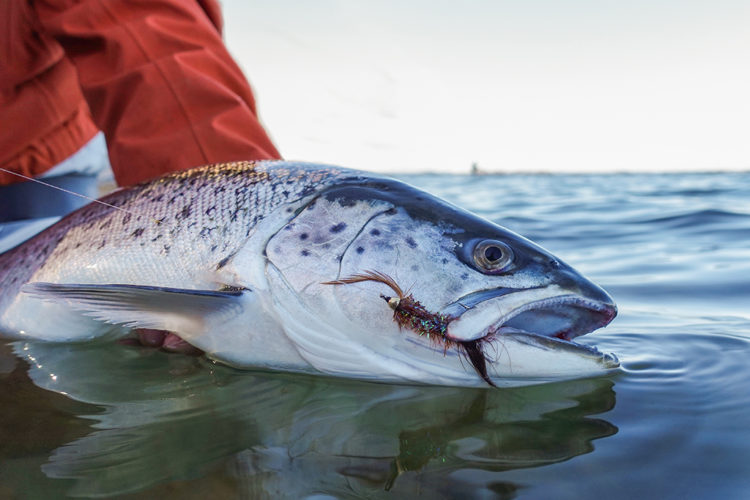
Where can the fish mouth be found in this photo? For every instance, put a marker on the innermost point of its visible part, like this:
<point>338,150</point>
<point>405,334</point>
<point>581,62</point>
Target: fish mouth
<point>560,315</point>
<point>542,317</point>
<point>565,317</point>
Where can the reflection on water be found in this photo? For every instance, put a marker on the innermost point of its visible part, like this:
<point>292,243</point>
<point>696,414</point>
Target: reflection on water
<point>147,422</point>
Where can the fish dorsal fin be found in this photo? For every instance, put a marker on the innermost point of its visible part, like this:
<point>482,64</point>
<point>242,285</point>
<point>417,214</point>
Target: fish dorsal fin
<point>136,306</point>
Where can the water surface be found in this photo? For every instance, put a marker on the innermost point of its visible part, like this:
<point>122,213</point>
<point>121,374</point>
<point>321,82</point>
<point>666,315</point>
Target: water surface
<point>106,420</point>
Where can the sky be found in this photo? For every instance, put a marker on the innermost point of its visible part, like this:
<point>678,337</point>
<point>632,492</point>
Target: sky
<point>513,86</point>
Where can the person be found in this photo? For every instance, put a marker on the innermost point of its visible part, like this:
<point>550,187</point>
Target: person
<point>153,75</point>
<point>152,78</point>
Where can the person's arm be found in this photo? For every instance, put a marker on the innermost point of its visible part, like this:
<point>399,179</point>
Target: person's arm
<point>159,82</point>
<point>44,118</point>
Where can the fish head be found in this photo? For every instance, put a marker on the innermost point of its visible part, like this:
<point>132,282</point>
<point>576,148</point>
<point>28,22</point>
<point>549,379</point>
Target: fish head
<point>480,295</point>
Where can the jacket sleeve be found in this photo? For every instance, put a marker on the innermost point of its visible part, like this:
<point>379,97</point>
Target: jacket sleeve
<point>159,82</point>
<point>43,116</point>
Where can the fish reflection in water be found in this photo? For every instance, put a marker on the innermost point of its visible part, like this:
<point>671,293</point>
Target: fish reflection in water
<point>160,419</point>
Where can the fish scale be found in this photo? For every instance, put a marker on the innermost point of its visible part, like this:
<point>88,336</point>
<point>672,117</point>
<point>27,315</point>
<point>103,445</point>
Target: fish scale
<point>163,228</point>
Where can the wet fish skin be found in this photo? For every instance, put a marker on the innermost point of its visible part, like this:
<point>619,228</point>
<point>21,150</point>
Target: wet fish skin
<point>205,212</point>
<point>233,257</point>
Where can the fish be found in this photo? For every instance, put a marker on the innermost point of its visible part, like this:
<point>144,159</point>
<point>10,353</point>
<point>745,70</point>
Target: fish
<point>287,265</point>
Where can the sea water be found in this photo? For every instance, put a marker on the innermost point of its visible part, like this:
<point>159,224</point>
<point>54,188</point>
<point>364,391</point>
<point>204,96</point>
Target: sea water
<point>673,250</point>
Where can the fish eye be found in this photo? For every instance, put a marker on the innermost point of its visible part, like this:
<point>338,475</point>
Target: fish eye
<point>493,256</point>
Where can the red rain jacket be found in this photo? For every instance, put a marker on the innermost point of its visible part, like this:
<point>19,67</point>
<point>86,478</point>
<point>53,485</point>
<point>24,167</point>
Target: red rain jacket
<point>154,75</point>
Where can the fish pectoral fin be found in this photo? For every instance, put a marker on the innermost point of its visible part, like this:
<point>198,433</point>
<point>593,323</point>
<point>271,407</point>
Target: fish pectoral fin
<point>136,306</point>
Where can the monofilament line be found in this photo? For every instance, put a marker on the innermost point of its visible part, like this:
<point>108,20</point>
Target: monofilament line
<point>74,193</point>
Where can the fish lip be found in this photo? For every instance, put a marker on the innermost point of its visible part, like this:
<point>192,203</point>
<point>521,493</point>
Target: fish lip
<point>598,314</point>
<point>607,360</point>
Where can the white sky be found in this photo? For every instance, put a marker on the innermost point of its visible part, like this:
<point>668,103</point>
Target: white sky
<point>525,85</point>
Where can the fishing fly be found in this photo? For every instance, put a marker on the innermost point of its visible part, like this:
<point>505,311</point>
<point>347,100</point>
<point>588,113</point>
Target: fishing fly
<point>407,311</point>
<point>411,314</point>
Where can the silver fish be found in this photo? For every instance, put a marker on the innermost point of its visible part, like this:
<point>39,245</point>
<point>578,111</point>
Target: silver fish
<point>257,264</point>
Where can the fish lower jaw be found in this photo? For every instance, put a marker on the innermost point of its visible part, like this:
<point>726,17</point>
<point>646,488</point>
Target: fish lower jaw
<point>551,341</point>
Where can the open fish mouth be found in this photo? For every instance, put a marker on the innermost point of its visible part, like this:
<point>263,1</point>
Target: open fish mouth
<point>554,323</point>
<point>565,317</point>
<point>543,311</point>
<point>549,323</point>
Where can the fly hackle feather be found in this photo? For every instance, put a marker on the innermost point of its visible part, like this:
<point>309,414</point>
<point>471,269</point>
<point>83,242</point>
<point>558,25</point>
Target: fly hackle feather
<point>376,276</point>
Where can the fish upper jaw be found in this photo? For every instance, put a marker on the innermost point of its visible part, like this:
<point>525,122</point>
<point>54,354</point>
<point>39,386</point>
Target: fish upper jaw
<point>549,311</point>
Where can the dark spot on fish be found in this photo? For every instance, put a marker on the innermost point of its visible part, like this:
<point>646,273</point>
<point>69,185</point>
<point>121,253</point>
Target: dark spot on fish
<point>305,253</point>
<point>210,210</point>
<point>78,245</point>
<point>415,268</point>
<point>304,236</point>
<point>106,224</point>
<point>289,210</point>
<point>465,276</point>
<point>126,219</point>
<point>444,261</point>
<point>338,227</point>
<point>410,241</point>
<point>102,244</point>
<point>213,248</point>
<point>347,202</point>
<point>185,212</point>
<point>166,248</point>
<point>375,232</point>
<point>157,237</point>
<point>222,262</point>
<point>285,193</point>
<point>137,232</point>
<point>306,192</point>
<point>360,250</point>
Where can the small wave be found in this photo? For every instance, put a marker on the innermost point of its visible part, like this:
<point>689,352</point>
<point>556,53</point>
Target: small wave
<point>696,217</point>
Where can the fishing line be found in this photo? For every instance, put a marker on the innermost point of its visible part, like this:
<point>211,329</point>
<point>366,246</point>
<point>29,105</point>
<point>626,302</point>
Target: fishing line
<point>76,194</point>
<point>94,200</point>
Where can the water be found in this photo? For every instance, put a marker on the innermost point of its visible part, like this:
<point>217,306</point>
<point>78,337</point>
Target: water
<point>674,251</point>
